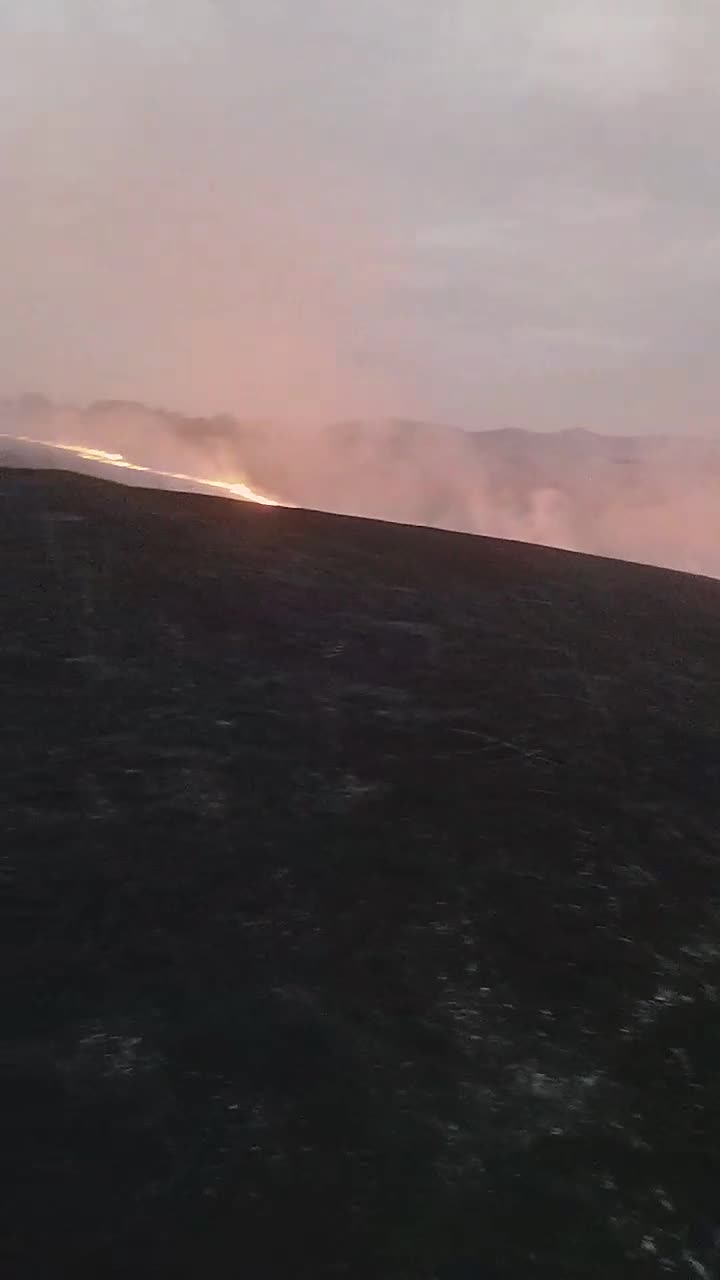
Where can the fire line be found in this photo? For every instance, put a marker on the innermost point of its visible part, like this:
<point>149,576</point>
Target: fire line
<point>233,488</point>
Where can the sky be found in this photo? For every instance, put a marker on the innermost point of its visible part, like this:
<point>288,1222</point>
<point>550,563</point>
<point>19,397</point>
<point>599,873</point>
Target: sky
<point>485,212</point>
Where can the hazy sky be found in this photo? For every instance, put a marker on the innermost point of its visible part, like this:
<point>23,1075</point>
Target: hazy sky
<point>493,212</point>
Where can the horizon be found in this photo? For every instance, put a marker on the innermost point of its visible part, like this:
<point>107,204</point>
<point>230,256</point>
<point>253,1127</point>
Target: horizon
<point>237,418</point>
<point>564,488</point>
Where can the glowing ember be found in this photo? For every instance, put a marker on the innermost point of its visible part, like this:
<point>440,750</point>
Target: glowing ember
<point>233,488</point>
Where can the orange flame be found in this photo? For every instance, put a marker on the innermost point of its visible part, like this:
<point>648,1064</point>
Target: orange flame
<point>233,488</point>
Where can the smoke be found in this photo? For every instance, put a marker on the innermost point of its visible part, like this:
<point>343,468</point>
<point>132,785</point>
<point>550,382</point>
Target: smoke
<point>651,499</point>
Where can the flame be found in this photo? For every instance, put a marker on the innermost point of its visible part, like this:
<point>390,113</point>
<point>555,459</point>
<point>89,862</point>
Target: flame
<point>233,488</point>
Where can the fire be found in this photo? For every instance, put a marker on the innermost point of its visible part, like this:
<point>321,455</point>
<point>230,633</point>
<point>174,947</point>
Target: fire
<point>233,488</point>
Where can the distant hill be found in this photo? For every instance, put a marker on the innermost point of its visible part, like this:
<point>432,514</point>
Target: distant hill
<point>363,889</point>
<point>650,499</point>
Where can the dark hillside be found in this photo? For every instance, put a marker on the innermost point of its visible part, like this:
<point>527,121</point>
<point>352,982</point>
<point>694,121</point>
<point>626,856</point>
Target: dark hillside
<point>365,897</point>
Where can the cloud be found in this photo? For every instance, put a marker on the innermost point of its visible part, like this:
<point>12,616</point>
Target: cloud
<point>473,211</point>
<point>155,244</point>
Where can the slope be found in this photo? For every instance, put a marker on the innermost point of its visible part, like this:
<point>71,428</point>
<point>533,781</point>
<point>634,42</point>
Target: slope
<point>365,888</point>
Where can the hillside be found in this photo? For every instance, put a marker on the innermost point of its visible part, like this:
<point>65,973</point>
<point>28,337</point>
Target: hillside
<point>365,888</point>
<point>646,498</point>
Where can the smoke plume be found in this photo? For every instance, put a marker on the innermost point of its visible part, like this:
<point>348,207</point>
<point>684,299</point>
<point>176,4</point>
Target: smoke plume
<point>648,498</point>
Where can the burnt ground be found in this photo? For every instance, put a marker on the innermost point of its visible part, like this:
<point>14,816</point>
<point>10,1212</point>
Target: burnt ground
<point>365,897</point>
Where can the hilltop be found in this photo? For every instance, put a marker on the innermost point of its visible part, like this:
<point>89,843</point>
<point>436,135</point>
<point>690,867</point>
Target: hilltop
<point>366,896</point>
